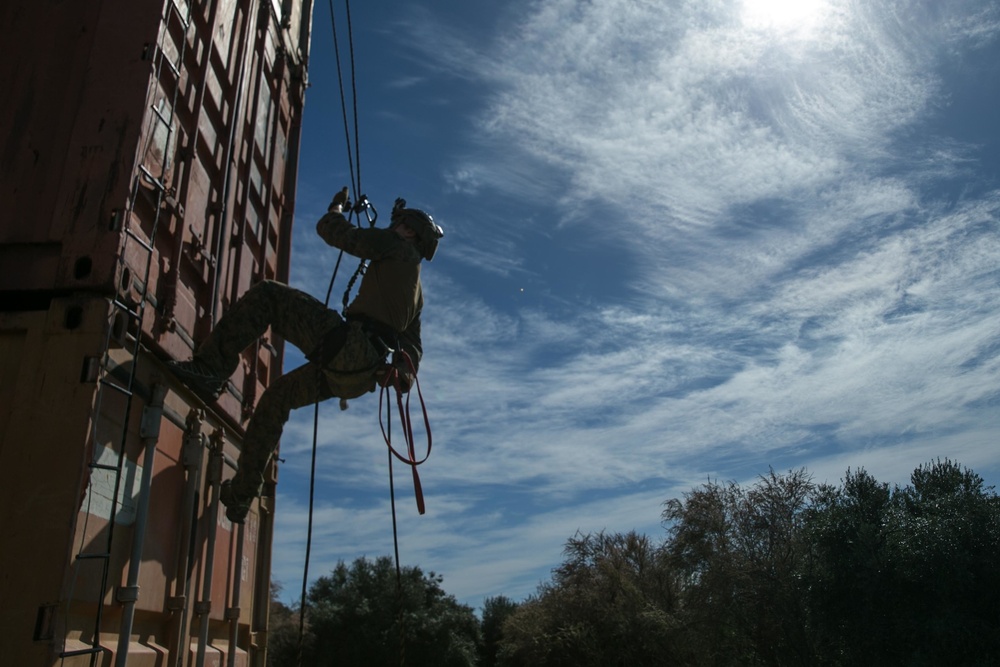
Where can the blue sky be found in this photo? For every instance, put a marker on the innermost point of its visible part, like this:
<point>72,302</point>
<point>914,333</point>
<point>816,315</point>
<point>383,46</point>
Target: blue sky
<point>685,240</point>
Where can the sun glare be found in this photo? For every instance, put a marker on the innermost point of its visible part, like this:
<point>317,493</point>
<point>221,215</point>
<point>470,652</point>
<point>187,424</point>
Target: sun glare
<point>783,15</point>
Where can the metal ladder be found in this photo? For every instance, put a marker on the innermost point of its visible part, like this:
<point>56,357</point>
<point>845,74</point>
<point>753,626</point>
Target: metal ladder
<point>126,319</point>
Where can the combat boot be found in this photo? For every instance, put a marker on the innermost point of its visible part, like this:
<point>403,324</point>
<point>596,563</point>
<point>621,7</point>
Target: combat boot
<point>236,508</point>
<point>199,378</point>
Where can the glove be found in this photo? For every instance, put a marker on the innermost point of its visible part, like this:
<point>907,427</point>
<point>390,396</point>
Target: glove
<point>340,200</point>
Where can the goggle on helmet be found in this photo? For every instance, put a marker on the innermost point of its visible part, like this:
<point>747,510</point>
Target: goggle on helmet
<point>428,232</point>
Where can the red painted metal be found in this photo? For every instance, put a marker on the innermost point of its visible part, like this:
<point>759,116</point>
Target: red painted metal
<point>128,125</point>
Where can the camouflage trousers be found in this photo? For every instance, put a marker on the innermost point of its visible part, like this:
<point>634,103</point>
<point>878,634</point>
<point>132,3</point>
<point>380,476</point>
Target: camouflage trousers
<point>304,322</point>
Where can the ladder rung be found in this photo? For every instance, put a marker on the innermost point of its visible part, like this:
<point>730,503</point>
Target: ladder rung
<point>152,179</point>
<point>185,22</point>
<point>141,241</point>
<point>82,651</point>
<point>159,114</point>
<point>121,305</point>
<point>100,556</point>
<point>173,68</point>
<point>119,389</point>
<point>104,466</point>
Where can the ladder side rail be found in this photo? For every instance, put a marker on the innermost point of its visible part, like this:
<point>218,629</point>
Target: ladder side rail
<point>135,317</point>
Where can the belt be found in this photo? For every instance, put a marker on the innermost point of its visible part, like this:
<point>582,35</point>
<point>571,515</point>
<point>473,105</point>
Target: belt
<point>383,337</point>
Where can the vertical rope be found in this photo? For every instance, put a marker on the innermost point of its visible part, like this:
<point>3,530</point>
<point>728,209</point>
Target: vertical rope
<point>356,183</point>
<point>400,616</point>
<point>312,493</point>
<point>354,100</point>
<point>319,373</point>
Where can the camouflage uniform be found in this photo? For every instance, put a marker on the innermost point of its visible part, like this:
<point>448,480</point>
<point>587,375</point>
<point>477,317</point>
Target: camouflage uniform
<point>344,355</point>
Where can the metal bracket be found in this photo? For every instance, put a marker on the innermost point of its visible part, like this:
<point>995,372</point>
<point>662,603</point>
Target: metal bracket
<point>152,413</point>
<point>127,594</point>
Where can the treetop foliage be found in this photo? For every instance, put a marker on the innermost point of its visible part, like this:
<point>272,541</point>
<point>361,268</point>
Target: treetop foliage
<point>782,572</point>
<point>363,615</point>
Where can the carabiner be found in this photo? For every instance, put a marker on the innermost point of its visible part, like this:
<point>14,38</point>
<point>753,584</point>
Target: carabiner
<point>369,210</point>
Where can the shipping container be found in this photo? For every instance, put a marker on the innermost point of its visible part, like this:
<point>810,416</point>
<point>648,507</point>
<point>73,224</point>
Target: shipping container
<point>147,180</point>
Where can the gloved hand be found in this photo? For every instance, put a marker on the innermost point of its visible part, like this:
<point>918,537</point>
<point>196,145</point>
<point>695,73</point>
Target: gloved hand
<point>394,376</point>
<point>340,201</point>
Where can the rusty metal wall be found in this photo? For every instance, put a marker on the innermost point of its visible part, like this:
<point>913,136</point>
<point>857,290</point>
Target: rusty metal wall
<point>98,121</point>
<point>174,126</point>
<point>70,125</point>
<point>201,579</point>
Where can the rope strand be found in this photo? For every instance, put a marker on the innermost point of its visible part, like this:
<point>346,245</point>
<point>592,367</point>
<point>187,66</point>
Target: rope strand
<point>410,459</point>
<point>354,98</point>
<point>312,491</point>
<point>319,375</point>
<point>343,97</point>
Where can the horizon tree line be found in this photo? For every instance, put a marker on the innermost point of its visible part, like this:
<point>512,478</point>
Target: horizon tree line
<point>782,572</point>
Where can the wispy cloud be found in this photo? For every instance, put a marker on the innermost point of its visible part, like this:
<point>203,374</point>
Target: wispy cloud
<point>804,275</point>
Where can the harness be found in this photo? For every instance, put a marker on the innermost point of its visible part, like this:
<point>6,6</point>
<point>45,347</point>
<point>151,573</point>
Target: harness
<point>382,337</point>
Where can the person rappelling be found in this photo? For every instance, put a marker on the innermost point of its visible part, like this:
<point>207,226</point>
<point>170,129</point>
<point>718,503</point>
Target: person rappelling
<point>346,356</point>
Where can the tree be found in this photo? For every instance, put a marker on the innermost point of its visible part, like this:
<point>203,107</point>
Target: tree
<point>950,564</point>
<point>911,575</point>
<point>496,611</point>
<point>361,616</point>
<point>283,632</point>
<point>610,603</point>
<point>848,578</point>
<point>739,552</point>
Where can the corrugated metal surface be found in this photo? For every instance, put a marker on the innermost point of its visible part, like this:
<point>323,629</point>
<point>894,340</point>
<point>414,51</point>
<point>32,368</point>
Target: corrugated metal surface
<point>94,111</point>
<point>193,560</point>
<point>147,179</point>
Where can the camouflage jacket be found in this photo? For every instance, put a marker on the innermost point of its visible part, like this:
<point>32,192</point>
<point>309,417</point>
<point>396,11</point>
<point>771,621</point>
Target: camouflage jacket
<point>390,290</point>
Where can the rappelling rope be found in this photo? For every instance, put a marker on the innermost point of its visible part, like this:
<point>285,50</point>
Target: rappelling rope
<point>356,183</point>
<point>392,378</point>
<point>343,97</point>
<point>319,374</point>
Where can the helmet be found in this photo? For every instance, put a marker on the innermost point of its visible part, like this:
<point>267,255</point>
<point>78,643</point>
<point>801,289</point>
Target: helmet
<point>427,231</point>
